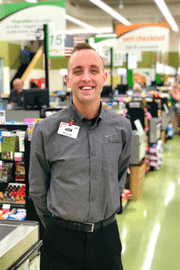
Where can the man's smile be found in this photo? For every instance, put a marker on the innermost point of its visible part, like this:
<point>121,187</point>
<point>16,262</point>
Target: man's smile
<point>87,87</point>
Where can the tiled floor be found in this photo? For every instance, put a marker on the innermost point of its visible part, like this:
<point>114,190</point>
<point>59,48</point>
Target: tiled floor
<point>150,226</point>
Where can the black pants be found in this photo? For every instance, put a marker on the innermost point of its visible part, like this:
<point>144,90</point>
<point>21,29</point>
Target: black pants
<point>66,249</point>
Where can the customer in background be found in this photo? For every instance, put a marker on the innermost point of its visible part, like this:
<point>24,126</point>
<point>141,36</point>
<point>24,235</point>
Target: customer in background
<point>137,88</point>
<point>16,97</point>
<point>175,99</point>
<point>78,166</point>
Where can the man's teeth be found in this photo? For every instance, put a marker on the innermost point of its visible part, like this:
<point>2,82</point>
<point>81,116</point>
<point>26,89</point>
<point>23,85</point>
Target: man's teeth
<point>87,88</point>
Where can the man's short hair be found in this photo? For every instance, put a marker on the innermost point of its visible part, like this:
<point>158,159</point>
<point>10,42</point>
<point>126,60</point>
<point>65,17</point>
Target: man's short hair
<point>82,46</point>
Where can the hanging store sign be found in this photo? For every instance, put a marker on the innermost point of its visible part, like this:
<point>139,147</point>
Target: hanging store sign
<point>132,61</point>
<point>103,46</point>
<point>118,58</point>
<point>56,42</point>
<point>143,37</point>
<point>24,21</point>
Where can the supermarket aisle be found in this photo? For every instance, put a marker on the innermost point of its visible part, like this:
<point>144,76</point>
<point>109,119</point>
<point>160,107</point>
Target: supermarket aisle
<point>150,227</point>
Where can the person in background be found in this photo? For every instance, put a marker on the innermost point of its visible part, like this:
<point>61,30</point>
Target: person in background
<point>137,87</point>
<point>78,166</point>
<point>16,96</point>
<point>175,99</point>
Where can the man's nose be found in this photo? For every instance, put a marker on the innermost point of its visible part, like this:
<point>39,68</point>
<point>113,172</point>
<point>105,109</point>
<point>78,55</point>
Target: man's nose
<point>86,75</point>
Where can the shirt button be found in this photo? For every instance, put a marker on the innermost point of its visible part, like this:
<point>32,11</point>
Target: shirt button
<point>93,177</point>
<point>92,199</point>
<point>92,154</point>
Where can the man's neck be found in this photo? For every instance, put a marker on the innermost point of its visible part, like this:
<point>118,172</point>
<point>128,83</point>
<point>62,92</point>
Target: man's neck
<point>89,110</point>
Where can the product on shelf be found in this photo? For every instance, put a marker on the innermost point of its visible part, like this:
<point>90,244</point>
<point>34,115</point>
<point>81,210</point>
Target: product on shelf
<point>155,154</point>
<point>10,144</point>
<point>14,214</point>
<point>15,193</point>
<point>6,172</point>
<point>19,167</point>
<point>17,214</point>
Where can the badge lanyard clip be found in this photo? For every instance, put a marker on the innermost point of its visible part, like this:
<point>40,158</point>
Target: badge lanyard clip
<point>71,122</point>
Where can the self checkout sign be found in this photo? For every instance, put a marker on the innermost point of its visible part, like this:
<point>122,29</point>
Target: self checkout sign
<point>55,42</point>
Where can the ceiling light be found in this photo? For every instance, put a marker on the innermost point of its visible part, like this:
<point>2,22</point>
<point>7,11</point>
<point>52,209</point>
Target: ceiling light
<point>31,1</point>
<point>166,13</point>
<point>76,21</point>
<point>106,35</point>
<point>110,11</point>
<point>89,31</point>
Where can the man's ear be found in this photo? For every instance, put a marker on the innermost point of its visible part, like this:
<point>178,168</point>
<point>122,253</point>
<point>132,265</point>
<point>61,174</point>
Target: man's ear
<point>105,77</point>
<point>67,80</point>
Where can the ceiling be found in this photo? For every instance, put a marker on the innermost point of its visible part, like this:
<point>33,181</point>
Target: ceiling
<point>115,3</point>
<point>136,11</point>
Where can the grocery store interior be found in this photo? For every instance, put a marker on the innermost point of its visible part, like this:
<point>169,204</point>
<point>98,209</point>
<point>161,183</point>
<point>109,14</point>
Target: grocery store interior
<point>139,42</point>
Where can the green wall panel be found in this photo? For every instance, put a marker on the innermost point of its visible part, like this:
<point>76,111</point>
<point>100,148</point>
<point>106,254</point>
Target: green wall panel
<point>58,63</point>
<point>148,60</point>
<point>4,52</point>
<point>14,56</point>
<point>173,60</point>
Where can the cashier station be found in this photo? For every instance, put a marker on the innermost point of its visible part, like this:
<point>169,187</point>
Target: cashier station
<point>134,112</point>
<point>19,245</point>
<point>20,240</point>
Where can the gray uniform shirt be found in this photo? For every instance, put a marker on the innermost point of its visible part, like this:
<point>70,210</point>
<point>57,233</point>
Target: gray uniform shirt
<point>79,179</point>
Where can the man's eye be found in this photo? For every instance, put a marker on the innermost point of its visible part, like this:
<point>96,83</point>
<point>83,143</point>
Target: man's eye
<point>94,70</point>
<point>77,71</point>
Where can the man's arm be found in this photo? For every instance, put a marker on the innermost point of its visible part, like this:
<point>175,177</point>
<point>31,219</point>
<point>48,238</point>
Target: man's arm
<point>39,174</point>
<point>11,98</point>
<point>124,158</point>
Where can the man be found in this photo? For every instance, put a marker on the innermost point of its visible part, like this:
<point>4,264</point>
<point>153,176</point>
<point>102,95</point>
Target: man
<point>79,158</point>
<point>16,97</point>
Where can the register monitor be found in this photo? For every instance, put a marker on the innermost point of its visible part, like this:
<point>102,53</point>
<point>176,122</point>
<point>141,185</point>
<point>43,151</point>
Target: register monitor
<point>36,99</point>
<point>107,91</point>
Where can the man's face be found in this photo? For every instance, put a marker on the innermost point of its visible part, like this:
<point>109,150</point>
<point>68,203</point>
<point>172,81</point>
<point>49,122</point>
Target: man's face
<point>86,76</point>
<point>18,85</point>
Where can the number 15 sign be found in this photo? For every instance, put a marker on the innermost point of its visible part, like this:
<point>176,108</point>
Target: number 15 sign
<point>55,43</point>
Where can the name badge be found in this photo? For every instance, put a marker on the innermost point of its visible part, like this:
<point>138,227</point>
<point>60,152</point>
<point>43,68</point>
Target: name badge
<point>69,131</point>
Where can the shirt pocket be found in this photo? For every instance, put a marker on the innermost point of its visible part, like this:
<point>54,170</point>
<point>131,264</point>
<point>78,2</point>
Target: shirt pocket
<point>111,150</point>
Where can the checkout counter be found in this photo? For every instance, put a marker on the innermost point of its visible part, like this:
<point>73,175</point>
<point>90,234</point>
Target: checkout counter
<point>139,147</point>
<point>19,245</point>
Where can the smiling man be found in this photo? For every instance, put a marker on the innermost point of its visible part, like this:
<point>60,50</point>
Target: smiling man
<point>78,165</point>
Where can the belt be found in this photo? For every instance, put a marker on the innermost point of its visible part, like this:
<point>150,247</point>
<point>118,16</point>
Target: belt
<point>84,227</point>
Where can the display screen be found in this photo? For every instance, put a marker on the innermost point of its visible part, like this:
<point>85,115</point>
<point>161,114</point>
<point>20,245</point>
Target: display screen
<point>36,99</point>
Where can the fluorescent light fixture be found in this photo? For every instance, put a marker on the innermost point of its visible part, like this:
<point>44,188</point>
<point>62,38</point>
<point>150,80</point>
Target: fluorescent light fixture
<point>76,21</point>
<point>110,11</point>
<point>31,1</point>
<point>106,35</point>
<point>89,31</point>
<point>166,13</point>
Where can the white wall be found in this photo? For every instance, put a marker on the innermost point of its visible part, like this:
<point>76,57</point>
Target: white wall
<point>6,80</point>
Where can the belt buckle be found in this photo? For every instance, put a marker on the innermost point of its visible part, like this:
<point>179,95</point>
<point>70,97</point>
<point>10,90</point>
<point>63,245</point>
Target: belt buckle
<point>92,227</point>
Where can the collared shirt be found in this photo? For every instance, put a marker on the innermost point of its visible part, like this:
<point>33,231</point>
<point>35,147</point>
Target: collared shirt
<point>18,99</point>
<point>79,179</point>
